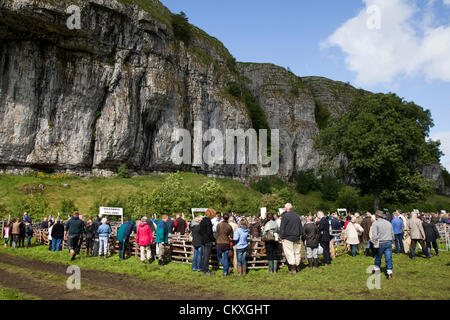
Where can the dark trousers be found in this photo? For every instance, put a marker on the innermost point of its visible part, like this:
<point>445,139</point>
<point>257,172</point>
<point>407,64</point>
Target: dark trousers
<point>272,250</point>
<point>326,251</point>
<point>435,246</point>
<point>89,244</point>
<point>422,244</point>
<point>73,242</point>
<point>206,255</point>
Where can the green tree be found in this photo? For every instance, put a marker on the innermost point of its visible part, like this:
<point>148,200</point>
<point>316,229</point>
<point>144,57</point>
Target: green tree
<point>122,171</point>
<point>212,195</point>
<point>330,186</point>
<point>306,181</point>
<point>68,207</point>
<point>181,27</point>
<point>384,141</point>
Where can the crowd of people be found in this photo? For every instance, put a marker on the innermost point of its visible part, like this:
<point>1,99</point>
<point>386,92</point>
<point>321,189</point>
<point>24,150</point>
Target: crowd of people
<point>376,233</point>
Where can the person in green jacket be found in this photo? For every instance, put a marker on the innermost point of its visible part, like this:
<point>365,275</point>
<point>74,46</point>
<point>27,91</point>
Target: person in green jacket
<point>162,237</point>
<point>123,236</point>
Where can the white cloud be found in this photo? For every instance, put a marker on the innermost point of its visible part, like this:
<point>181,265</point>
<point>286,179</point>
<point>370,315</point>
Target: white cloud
<point>447,2</point>
<point>403,45</point>
<point>444,137</point>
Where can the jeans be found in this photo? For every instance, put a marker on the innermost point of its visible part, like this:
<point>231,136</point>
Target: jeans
<point>435,246</point>
<point>353,249</point>
<point>337,238</point>
<point>386,249</point>
<point>103,245</point>
<point>197,259</point>
<point>241,256</point>
<point>222,256</point>
<point>399,243</point>
<point>95,249</point>
<point>28,240</point>
<point>206,254</point>
<point>56,244</point>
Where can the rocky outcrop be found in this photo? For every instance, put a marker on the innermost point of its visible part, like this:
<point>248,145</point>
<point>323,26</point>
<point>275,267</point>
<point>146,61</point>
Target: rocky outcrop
<point>86,100</point>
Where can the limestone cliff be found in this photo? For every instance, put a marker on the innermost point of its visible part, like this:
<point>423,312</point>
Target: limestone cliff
<point>85,101</point>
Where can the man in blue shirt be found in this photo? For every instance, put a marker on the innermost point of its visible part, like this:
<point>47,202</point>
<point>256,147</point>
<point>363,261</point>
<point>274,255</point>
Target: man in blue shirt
<point>398,226</point>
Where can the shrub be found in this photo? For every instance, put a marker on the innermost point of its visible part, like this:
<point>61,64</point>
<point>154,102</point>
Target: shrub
<point>322,115</point>
<point>272,202</point>
<point>181,27</point>
<point>348,198</point>
<point>212,195</point>
<point>235,90</point>
<point>37,207</point>
<point>330,188</point>
<point>122,171</point>
<point>446,177</point>
<point>268,185</point>
<point>68,207</point>
<point>306,181</point>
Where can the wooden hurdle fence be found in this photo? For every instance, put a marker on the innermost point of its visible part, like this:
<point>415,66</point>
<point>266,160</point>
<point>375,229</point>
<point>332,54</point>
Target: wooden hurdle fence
<point>180,249</point>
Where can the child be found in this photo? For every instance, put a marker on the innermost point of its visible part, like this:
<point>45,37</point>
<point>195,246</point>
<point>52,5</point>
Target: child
<point>7,233</point>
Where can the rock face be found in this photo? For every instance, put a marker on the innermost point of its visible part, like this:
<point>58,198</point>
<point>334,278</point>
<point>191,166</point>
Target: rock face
<point>86,100</point>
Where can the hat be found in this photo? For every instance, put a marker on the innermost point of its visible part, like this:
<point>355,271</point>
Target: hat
<point>380,214</point>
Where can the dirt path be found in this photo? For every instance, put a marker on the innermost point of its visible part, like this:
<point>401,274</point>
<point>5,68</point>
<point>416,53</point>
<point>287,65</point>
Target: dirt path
<point>117,286</point>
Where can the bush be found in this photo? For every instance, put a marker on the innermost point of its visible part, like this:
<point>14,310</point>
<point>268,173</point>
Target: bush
<point>181,27</point>
<point>235,90</point>
<point>348,198</point>
<point>446,177</point>
<point>306,181</point>
<point>68,207</point>
<point>330,187</point>
<point>211,195</point>
<point>37,207</point>
<point>267,185</point>
<point>322,115</point>
<point>122,171</point>
<point>272,202</point>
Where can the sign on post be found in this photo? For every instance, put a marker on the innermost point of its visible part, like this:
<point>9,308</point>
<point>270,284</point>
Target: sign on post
<point>108,211</point>
<point>197,210</point>
<point>263,213</point>
<point>281,210</point>
<point>343,210</point>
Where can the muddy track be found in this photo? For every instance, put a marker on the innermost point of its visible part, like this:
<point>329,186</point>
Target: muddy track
<point>127,287</point>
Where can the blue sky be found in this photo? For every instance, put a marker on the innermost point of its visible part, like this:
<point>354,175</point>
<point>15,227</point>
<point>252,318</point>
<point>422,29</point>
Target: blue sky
<point>402,46</point>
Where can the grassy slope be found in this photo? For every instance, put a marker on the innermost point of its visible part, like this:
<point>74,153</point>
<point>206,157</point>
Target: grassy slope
<point>84,191</point>
<point>345,279</point>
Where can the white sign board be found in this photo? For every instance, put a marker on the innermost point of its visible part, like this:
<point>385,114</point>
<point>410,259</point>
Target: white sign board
<point>197,210</point>
<point>415,211</point>
<point>108,211</point>
<point>263,213</point>
<point>342,211</point>
<point>281,210</point>
<point>443,212</point>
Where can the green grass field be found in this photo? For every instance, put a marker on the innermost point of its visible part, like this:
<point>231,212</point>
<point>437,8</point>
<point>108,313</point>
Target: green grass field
<point>346,279</point>
<point>85,191</point>
<point>13,294</point>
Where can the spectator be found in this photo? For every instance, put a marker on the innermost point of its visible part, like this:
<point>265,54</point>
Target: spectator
<point>216,220</point>
<point>90,236</point>
<point>207,236</point>
<point>44,224</point>
<point>224,234</point>
<point>382,237</point>
<point>26,217</point>
<point>389,216</point>
<point>336,227</point>
<point>162,237</point>
<point>240,237</point>
<point>180,225</point>
<point>197,244</point>
<point>28,233</point>
<point>170,225</point>
<point>311,238</point>
<point>272,247</point>
<point>73,230</point>
<point>324,237</point>
<point>398,227</point>
<point>347,221</point>
<point>96,224</point>
<point>431,235</point>
<point>352,233</point>
<point>57,233</point>
<point>290,232</point>
<point>7,233</point>
<point>255,228</point>
<point>234,226</point>
<point>366,224</point>
<point>144,238</point>
<point>103,235</point>
<point>15,232</point>
<point>417,235</point>
<point>22,233</point>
